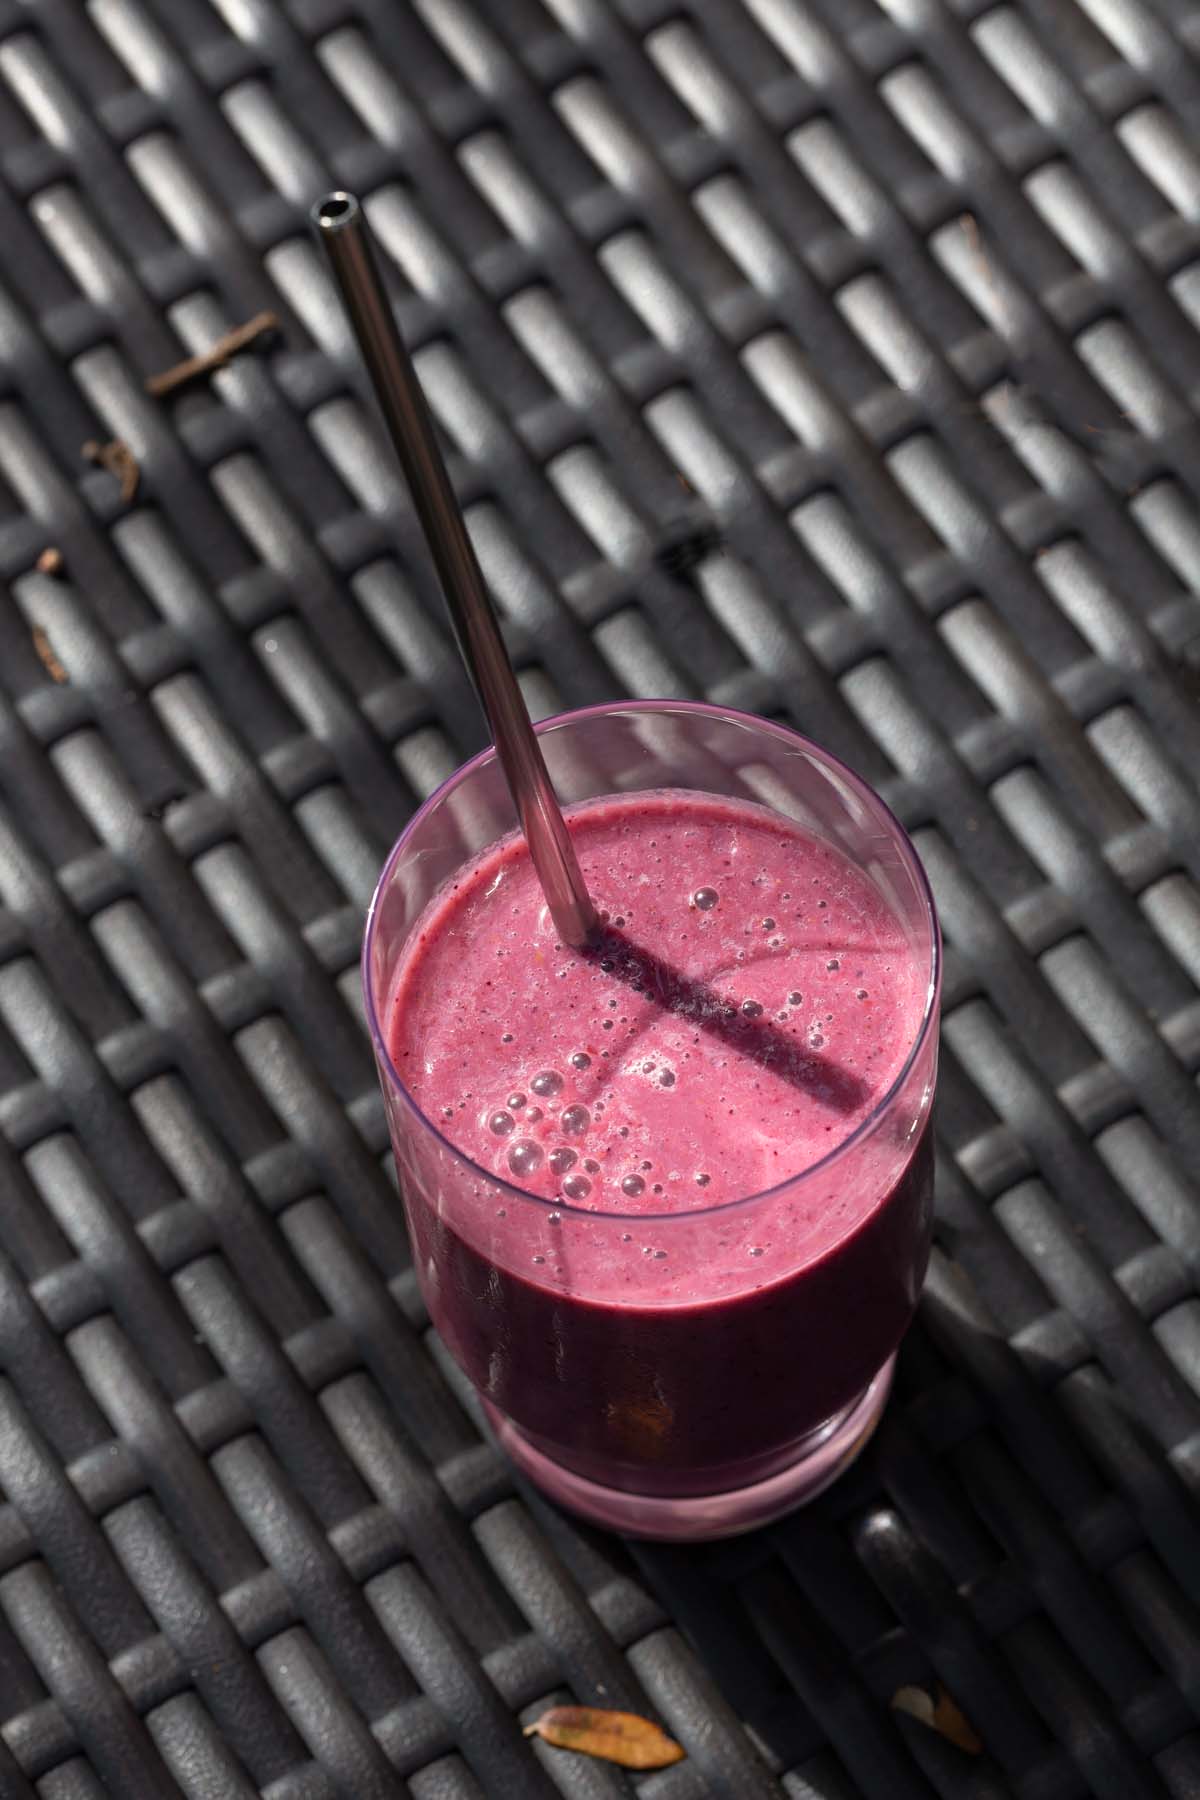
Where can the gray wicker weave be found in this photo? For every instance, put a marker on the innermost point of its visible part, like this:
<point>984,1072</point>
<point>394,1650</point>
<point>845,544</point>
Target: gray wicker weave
<point>830,359</point>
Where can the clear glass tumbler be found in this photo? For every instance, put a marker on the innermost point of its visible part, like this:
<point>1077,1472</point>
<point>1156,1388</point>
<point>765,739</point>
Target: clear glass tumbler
<point>761,1378</point>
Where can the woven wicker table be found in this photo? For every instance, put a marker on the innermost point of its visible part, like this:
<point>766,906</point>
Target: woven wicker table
<point>832,359</point>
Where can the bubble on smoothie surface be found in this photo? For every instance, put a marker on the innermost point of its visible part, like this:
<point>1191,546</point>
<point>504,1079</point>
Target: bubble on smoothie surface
<point>515,1102</point>
<point>524,1157</point>
<point>501,1123</point>
<point>577,1187</point>
<point>546,1083</point>
<point>575,1120</point>
<point>633,1185</point>
<point>563,1159</point>
<point>705,898</point>
<point>581,1060</point>
<point>752,1009</point>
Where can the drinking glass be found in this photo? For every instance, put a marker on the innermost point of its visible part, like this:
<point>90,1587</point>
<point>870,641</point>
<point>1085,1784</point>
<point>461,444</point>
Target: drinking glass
<point>761,1377</point>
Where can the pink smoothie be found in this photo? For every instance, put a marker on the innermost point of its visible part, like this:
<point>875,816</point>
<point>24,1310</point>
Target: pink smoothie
<point>650,1323</point>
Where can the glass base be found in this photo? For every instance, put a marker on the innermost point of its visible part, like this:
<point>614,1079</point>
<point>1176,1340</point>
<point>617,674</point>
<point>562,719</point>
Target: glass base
<point>697,1517</point>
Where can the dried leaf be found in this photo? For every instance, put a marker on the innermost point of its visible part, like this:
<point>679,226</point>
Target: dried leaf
<point>618,1737</point>
<point>193,367</point>
<point>941,1714</point>
<point>46,656</point>
<point>915,1702</point>
<point>119,460</point>
<point>949,1719</point>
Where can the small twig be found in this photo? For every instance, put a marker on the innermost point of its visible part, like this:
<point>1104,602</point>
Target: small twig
<point>119,460</point>
<point>970,225</point>
<point>46,656</point>
<point>193,367</point>
<point>50,562</point>
<point>974,237</point>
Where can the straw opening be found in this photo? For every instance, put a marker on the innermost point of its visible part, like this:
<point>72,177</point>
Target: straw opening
<point>335,211</point>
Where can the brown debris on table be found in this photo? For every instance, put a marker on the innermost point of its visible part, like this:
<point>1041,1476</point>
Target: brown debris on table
<point>617,1737</point>
<point>46,656</point>
<point>192,368</point>
<point>119,460</point>
<point>941,1714</point>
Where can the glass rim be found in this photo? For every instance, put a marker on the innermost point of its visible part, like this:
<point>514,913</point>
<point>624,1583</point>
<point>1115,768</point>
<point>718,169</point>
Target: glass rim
<point>768,727</point>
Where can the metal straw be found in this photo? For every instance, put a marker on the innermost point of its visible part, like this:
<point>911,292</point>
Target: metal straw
<point>342,229</point>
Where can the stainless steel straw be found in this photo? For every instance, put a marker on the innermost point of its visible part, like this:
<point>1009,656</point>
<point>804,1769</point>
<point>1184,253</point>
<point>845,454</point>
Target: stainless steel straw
<point>342,229</point>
